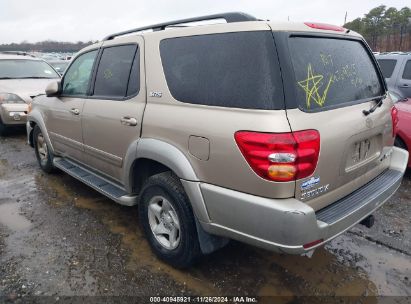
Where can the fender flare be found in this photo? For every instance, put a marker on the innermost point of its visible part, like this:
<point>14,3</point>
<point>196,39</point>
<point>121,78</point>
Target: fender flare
<point>171,157</point>
<point>168,155</point>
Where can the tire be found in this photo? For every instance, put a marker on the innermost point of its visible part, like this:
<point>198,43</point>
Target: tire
<point>43,154</point>
<point>163,209</point>
<point>3,129</point>
<point>400,143</point>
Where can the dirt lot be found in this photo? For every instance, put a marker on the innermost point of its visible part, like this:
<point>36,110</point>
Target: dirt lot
<point>60,238</point>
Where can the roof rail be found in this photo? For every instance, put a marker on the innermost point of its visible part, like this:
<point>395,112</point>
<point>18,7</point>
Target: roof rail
<point>229,18</point>
<point>17,53</point>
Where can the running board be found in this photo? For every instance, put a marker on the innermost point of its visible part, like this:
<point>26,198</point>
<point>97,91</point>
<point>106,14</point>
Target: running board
<point>96,182</point>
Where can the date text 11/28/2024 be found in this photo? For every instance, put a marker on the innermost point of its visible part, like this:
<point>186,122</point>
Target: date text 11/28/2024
<point>206,299</point>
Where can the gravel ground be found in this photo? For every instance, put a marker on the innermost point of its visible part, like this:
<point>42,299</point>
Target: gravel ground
<point>60,238</point>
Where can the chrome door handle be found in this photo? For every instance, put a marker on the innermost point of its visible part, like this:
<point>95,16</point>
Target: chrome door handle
<point>128,121</point>
<point>75,111</point>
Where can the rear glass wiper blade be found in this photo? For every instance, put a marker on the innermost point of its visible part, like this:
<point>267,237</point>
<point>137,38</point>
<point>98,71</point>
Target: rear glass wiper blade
<point>7,78</point>
<point>378,103</point>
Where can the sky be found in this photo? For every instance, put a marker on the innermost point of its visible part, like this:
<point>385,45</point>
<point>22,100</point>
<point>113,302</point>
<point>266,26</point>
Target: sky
<point>84,20</point>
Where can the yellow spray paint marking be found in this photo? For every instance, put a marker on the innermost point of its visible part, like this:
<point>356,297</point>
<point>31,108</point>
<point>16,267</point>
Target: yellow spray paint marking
<point>312,84</point>
<point>326,59</point>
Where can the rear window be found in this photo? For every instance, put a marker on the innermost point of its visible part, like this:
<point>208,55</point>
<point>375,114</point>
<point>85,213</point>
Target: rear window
<point>407,71</point>
<point>387,66</point>
<point>238,70</point>
<point>25,68</point>
<point>332,73</point>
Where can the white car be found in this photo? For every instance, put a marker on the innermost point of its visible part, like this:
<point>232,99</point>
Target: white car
<point>22,77</point>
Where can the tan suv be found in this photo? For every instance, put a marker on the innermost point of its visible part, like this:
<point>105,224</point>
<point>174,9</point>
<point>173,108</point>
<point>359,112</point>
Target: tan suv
<point>279,135</point>
<point>22,77</point>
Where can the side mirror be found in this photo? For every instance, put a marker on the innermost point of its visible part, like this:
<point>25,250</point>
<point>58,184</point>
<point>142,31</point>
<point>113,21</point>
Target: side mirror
<point>53,88</point>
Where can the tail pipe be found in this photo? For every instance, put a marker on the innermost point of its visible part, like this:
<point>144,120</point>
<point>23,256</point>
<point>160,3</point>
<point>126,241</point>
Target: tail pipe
<point>368,221</point>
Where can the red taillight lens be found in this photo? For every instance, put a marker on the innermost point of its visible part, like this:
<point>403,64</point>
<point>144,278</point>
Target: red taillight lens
<point>395,120</point>
<point>280,157</point>
<point>325,26</point>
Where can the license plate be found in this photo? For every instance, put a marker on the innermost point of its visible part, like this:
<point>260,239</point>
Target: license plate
<point>361,150</point>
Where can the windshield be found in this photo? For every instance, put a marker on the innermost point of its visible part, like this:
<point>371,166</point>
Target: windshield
<point>24,68</point>
<point>332,72</point>
<point>60,66</point>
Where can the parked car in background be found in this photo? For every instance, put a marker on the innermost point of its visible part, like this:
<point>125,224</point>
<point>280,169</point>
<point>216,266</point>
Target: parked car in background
<point>216,132</point>
<point>403,138</point>
<point>22,77</point>
<point>59,65</point>
<point>396,69</point>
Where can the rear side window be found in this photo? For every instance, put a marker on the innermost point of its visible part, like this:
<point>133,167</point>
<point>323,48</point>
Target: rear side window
<point>238,70</point>
<point>332,72</point>
<point>387,66</point>
<point>114,71</point>
<point>407,70</point>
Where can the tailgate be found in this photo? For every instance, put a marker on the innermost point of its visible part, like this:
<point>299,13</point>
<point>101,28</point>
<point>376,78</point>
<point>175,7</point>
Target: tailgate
<point>336,79</point>
<point>354,150</point>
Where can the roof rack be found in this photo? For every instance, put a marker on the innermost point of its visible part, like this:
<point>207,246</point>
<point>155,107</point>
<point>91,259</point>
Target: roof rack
<point>229,18</point>
<point>17,53</point>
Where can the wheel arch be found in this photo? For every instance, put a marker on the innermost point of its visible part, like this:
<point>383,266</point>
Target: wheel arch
<point>144,167</point>
<point>161,155</point>
<point>36,119</point>
<point>154,156</point>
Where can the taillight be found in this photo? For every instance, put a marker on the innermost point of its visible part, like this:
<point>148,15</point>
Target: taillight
<point>395,120</point>
<point>325,26</point>
<point>280,157</point>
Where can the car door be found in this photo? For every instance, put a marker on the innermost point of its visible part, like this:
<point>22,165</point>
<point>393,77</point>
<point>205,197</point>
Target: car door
<point>63,115</point>
<point>113,115</point>
<point>404,79</point>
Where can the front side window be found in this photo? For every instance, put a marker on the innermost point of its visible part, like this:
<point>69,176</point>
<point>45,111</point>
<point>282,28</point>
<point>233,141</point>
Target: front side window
<point>25,69</point>
<point>407,71</point>
<point>332,72</point>
<point>238,70</point>
<point>387,66</point>
<point>113,72</point>
<point>77,78</point>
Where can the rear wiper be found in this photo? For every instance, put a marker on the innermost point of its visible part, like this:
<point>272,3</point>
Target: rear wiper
<point>378,103</point>
<point>7,78</point>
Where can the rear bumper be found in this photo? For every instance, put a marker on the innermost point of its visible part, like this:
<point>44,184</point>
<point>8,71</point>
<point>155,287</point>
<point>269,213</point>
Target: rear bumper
<point>286,225</point>
<point>13,114</point>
